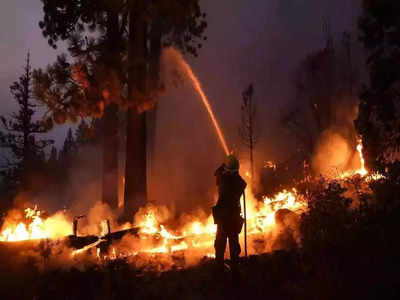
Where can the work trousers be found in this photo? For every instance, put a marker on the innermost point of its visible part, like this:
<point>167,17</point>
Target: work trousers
<point>224,233</point>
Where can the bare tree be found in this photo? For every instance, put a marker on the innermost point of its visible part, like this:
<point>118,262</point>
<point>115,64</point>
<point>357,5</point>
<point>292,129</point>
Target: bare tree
<point>246,130</point>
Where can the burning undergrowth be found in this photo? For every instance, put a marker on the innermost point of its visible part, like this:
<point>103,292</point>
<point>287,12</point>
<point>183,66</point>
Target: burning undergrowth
<point>156,239</point>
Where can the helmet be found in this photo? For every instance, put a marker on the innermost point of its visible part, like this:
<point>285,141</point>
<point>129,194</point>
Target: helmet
<point>232,163</point>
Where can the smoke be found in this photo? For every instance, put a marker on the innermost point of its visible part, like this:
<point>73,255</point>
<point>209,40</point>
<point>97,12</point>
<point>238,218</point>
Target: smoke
<point>335,151</point>
<point>332,154</point>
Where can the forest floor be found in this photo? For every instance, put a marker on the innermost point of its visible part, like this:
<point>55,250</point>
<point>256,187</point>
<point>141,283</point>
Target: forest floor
<point>278,275</point>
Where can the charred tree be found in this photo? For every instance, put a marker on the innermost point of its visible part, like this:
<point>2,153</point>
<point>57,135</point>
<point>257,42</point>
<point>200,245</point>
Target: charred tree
<point>247,128</point>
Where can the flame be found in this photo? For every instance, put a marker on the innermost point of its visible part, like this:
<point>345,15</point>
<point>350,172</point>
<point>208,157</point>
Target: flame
<point>362,171</point>
<point>262,219</point>
<point>113,254</point>
<point>199,234</point>
<point>34,227</point>
<point>180,247</point>
<point>195,235</point>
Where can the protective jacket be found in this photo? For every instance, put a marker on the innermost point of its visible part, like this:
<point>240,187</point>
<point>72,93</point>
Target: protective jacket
<point>230,188</point>
<point>227,213</point>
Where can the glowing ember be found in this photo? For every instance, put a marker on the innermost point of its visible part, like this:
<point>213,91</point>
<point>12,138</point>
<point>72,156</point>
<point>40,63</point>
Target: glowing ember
<point>90,246</point>
<point>270,165</point>
<point>113,254</point>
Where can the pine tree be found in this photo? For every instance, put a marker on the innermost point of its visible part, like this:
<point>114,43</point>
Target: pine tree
<point>82,135</point>
<point>69,148</point>
<point>20,132</point>
<point>53,155</point>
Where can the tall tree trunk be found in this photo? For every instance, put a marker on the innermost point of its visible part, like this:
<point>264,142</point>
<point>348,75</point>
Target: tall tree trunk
<point>110,119</point>
<point>135,170</point>
<point>110,156</point>
<point>154,75</point>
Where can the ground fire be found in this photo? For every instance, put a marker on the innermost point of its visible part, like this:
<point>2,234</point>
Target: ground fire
<point>146,239</point>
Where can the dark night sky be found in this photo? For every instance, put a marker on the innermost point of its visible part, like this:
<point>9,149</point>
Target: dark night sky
<point>248,41</point>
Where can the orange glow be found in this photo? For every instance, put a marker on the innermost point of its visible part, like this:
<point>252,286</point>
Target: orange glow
<point>155,240</point>
<point>270,164</point>
<point>34,227</point>
<point>199,233</point>
<point>90,246</point>
<point>362,171</point>
<point>153,237</point>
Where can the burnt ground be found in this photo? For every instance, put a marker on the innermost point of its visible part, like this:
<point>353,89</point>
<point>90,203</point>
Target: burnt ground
<point>279,275</point>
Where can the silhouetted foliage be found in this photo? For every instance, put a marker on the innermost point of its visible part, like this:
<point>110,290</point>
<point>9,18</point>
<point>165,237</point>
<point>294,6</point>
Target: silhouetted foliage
<point>378,120</point>
<point>69,148</point>
<point>99,75</point>
<point>20,134</point>
<point>82,134</point>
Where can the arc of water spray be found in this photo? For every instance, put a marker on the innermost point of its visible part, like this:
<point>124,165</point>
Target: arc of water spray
<point>197,85</point>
